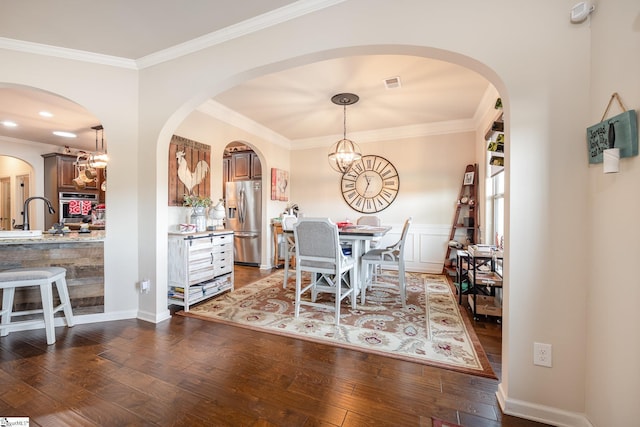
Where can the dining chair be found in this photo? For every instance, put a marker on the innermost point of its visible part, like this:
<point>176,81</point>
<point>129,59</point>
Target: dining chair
<point>374,262</point>
<point>287,225</point>
<point>373,221</point>
<point>318,252</point>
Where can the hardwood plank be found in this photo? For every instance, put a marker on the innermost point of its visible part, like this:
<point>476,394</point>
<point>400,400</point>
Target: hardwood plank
<point>190,372</point>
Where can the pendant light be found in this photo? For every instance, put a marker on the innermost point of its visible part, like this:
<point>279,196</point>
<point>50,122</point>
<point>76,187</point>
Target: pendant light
<point>98,159</point>
<point>344,152</point>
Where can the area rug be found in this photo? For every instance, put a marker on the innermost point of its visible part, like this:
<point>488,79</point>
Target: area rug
<point>429,330</point>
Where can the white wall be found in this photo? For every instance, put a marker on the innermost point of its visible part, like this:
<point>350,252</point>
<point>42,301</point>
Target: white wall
<point>613,371</point>
<point>545,107</point>
<point>110,94</point>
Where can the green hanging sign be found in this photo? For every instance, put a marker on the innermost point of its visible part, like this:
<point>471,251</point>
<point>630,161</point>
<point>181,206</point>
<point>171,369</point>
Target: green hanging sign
<point>620,131</point>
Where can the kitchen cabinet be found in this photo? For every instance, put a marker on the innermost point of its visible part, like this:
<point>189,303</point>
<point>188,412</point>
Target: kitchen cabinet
<point>200,266</point>
<point>61,168</point>
<point>245,165</point>
<point>59,173</point>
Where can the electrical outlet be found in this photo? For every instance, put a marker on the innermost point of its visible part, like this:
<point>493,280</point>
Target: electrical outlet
<point>145,285</point>
<point>542,354</point>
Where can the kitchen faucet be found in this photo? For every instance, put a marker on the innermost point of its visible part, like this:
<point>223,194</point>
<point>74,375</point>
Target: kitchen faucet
<point>25,210</point>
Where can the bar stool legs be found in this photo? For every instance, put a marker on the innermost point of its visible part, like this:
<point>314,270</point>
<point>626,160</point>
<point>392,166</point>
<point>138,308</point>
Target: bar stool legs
<point>44,277</point>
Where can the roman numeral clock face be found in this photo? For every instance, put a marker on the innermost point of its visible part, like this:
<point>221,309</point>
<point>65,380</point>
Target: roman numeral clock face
<point>371,185</point>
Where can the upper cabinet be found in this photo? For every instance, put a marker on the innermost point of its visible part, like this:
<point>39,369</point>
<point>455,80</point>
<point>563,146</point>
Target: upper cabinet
<point>245,165</point>
<point>60,170</point>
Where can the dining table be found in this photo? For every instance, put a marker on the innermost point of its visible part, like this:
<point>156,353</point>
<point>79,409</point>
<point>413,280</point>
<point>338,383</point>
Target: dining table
<point>360,237</point>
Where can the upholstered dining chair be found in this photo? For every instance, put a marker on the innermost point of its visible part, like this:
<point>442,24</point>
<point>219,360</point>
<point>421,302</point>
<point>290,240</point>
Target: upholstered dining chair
<point>373,221</point>
<point>318,252</point>
<point>287,224</point>
<point>375,261</point>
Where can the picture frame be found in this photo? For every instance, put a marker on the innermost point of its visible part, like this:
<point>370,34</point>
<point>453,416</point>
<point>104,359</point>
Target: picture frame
<point>468,178</point>
<point>279,185</point>
<point>189,165</point>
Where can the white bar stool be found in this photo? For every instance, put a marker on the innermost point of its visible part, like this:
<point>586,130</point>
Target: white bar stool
<point>44,277</point>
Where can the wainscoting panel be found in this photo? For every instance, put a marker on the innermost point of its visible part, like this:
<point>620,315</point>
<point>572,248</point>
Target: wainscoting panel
<point>425,247</point>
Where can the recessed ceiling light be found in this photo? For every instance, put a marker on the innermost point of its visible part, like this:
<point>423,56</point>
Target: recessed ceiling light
<point>45,114</point>
<point>64,134</point>
<point>9,124</point>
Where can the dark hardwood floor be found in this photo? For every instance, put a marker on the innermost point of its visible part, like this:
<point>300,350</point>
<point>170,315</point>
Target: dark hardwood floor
<point>189,372</point>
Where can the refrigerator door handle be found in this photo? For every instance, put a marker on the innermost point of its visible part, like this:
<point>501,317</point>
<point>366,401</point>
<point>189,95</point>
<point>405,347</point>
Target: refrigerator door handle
<point>242,206</point>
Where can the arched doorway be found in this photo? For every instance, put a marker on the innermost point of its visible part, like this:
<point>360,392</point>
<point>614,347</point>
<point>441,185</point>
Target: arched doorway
<point>242,191</point>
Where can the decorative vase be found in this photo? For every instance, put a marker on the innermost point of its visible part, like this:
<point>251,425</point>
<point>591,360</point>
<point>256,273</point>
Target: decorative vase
<point>199,218</point>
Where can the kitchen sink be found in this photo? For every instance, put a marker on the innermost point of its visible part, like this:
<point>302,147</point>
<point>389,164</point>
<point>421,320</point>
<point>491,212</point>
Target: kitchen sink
<point>20,234</point>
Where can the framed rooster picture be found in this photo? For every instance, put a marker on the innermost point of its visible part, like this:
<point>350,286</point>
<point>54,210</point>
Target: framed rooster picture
<point>189,164</point>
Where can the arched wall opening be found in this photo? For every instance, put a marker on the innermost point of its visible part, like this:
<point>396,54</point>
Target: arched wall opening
<point>266,153</point>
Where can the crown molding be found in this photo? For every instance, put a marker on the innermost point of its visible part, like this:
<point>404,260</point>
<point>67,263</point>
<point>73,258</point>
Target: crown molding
<point>274,17</point>
<point>220,112</point>
<point>389,134</point>
<point>65,53</point>
<point>269,19</point>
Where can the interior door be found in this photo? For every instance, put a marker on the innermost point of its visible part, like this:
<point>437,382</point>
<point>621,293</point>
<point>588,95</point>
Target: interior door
<point>5,203</point>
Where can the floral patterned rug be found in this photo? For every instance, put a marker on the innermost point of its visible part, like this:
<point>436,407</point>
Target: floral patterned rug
<point>430,330</point>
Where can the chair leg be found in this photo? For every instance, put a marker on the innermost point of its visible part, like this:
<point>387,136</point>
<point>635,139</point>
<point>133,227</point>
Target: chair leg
<point>298,287</point>
<point>402,281</point>
<point>46,293</point>
<point>286,273</point>
<point>338,285</point>
<point>63,293</point>
<point>7,308</point>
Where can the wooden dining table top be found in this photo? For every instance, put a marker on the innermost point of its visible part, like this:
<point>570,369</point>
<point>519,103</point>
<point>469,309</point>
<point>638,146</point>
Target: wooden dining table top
<point>364,230</point>
<point>358,230</point>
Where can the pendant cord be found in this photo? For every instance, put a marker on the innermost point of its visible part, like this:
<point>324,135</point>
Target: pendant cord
<point>344,134</point>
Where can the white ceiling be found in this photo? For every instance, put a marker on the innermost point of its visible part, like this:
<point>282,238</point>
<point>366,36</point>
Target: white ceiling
<point>294,103</point>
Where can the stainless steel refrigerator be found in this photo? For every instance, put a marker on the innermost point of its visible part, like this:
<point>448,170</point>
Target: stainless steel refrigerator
<point>244,217</point>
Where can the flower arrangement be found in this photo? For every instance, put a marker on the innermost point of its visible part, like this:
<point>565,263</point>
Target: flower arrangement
<point>196,201</point>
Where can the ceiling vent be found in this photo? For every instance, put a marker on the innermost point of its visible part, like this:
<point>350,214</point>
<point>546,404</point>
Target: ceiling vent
<point>392,83</point>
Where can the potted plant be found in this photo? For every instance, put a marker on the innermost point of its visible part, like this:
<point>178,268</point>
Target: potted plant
<point>199,205</point>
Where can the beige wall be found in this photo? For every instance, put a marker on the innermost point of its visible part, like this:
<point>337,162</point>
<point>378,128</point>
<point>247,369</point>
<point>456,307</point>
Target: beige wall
<point>613,344</point>
<point>556,291</point>
<point>110,94</point>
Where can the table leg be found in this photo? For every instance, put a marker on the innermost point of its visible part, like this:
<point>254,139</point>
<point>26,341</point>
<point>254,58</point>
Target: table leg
<point>286,262</point>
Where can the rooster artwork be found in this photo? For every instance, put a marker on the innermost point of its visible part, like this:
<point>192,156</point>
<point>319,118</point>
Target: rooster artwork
<point>189,169</point>
<point>190,178</point>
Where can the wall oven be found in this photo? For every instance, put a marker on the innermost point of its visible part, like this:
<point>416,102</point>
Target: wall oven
<point>76,206</point>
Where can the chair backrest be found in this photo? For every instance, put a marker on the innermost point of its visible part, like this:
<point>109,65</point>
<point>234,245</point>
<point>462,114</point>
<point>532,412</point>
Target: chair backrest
<point>288,221</point>
<point>369,220</point>
<point>317,243</point>
<point>403,237</point>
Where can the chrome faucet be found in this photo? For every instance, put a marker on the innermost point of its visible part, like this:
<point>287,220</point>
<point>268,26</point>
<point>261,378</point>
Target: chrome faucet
<point>25,210</point>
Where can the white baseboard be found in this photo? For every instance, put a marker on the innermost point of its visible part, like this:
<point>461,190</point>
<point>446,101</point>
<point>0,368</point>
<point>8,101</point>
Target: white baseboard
<point>154,318</point>
<point>540,413</point>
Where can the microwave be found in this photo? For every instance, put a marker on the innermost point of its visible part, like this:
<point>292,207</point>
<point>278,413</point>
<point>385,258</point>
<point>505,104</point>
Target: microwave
<point>74,206</point>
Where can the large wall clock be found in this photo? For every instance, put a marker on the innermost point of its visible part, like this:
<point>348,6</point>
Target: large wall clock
<point>371,185</point>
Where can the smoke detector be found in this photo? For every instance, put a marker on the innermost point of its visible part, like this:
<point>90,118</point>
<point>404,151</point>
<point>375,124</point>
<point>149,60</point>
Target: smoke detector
<point>580,12</point>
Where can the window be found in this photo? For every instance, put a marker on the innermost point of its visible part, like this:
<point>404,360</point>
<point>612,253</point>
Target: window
<point>498,207</point>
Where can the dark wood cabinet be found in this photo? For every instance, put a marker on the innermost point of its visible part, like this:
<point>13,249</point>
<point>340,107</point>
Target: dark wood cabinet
<point>61,168</point>
<point>240,166</point>
<point>256,166</point>
<point>245,165</point>
<point>59,173</point>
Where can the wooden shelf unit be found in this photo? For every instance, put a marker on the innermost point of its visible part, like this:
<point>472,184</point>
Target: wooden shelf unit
<point>200,266</point>
<point>465,217</point>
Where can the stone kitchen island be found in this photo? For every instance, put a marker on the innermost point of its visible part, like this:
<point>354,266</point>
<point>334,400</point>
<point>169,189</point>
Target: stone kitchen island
<point>82,254</point>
